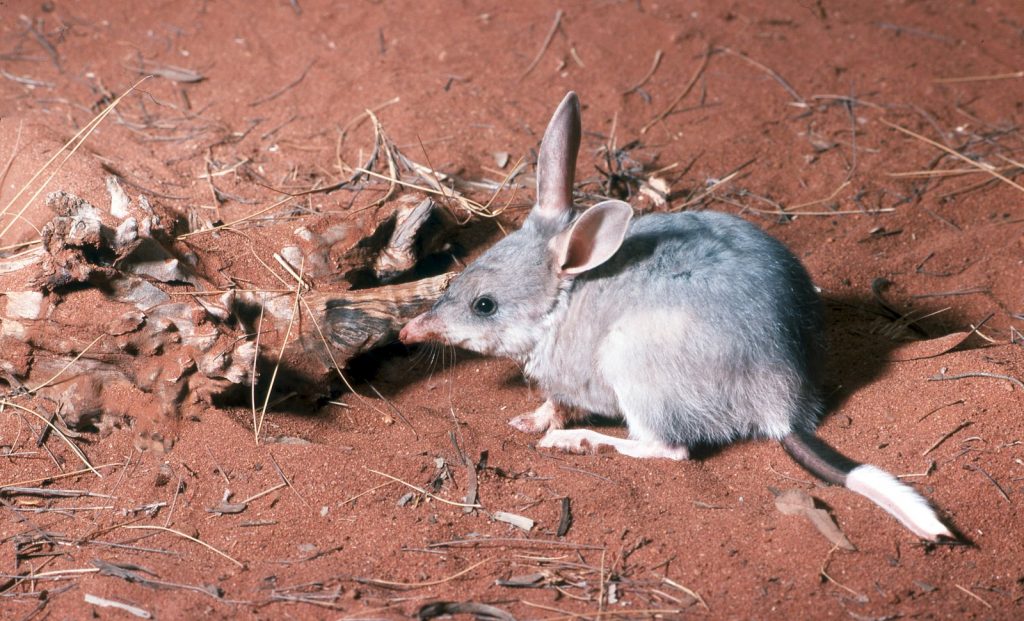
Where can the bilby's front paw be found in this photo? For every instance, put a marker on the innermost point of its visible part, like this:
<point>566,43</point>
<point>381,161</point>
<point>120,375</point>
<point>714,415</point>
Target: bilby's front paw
<point>529,423</point>
<point>545,417</point>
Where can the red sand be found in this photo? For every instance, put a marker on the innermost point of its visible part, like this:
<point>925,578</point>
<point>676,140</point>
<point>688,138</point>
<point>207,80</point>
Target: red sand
<point>457,69</point>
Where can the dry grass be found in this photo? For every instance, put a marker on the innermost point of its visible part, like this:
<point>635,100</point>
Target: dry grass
<point>71,147</point>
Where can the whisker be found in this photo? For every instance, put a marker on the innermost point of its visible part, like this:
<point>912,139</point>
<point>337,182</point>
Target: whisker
<point>451,376</point>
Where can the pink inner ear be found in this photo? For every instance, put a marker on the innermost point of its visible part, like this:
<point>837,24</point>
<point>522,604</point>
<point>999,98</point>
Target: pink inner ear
<point>595,236</point>
<point>577,252</point>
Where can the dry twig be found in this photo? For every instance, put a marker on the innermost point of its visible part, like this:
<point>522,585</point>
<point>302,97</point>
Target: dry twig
<point>184,536</point>
<point>797,99</point>
<point>77,140</point>
<point>983,167</point>
<point>942,377</point>
<point>544,46</point>
<point>686,91</point>
<point>416,585</point>
<point>647,76</point>
<point>284,89</point>
<point>945,437</point>
<point>74,448</point>
<point>423,491</point>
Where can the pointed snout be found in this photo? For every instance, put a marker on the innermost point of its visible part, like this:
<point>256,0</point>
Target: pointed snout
<point>422,329</point>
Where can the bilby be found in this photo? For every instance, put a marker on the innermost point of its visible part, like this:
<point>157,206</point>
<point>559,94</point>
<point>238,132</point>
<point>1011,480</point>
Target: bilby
<point>693,327</point>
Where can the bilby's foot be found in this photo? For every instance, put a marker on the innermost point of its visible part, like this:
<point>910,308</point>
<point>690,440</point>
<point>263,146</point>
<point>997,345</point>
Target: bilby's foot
<point>588,441</point>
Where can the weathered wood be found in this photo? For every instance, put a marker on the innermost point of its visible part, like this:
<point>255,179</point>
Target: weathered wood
<point>399,254</point>
<point>383,309</point>
<point>162,351</point>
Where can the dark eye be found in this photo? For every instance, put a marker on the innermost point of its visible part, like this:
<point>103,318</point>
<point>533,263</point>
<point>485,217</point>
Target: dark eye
<point>484,306</point>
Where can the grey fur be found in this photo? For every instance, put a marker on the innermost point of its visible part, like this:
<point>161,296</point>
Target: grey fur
<point>715,314</point>
<point>701,328</point>
<point>692,327</point>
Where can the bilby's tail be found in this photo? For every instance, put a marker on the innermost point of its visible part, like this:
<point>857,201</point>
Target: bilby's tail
<point>877,485</point>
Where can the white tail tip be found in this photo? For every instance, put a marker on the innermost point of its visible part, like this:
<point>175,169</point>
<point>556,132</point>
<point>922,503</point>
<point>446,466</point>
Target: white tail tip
<point>899,499</point>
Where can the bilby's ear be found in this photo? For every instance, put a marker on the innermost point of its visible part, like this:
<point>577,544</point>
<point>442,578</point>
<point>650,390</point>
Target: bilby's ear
<point>595,236</point>
<point>556,163</point>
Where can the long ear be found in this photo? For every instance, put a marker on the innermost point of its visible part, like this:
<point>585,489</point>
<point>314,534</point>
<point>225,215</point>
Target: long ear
<point>595,236</point>
<point>556,163</point>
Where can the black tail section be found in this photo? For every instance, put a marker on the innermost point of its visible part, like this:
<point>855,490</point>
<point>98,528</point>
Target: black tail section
<point>818,458</point>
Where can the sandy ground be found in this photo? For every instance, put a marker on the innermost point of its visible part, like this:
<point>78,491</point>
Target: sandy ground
<point>798,108</point>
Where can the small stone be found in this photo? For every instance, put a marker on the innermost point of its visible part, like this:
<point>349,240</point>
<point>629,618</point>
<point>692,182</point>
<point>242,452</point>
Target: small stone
<point>163,475</point>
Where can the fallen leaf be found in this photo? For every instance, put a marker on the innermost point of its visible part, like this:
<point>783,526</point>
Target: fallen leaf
<point>798,502</point>
<point>793,502</point>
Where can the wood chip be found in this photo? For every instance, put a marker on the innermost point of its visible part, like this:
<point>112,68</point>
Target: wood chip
<point>109,603</point>
<point>472,486</point>
<point>565,521</point>
<point>518,521</point>
<point>170,72</point>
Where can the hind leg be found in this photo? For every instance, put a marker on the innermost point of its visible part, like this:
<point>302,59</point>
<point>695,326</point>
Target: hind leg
<point>589,441</point>
<point>639,383</point>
